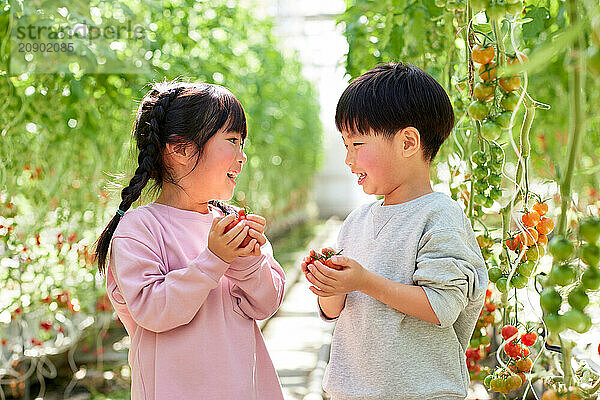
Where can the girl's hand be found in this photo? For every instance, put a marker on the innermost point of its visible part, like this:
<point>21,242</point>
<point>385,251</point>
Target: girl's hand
<point>226,245</point>
<point>257,224</point>
<point>331,282</point>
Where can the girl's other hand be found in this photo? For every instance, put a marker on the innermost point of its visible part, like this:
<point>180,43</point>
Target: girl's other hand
<point>226,245</point>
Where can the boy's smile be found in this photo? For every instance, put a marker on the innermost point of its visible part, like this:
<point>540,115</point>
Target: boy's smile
<point>391,167</point>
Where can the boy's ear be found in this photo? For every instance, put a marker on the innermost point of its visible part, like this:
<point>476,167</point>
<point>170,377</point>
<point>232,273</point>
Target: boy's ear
<point>410,141</point>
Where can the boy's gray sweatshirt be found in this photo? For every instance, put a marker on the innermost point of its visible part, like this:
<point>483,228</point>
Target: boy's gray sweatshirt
<point>380,353</point>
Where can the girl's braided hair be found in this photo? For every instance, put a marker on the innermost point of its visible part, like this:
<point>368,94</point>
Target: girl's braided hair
<point>173,112</point>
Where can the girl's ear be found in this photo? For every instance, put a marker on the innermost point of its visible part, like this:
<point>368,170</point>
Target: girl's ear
<point>410,141</point>
<point>177,153</point>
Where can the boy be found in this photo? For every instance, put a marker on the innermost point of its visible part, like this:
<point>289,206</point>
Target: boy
<point>411,283</point>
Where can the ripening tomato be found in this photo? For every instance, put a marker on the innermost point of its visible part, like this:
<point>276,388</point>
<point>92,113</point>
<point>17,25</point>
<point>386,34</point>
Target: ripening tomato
<point>542,240</point>
<point>483,91</point>
<point>534,253</point>
<point>483,55</point>
<point>531,218</point>
<point>540,208</point>
<point>519,58</point>
<point>514,243</point>
<point>510,84</point>
<point>487,72</point>
<point>545,226</point>
<point>529,238</point>
<point>550,394</point>
<point>524,364</point>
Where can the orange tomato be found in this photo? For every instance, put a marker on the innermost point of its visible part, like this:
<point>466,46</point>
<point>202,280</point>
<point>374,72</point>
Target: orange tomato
<point>542,239</point>
<point>513,243</point>
<point>530,219</point>
<point>524,364</point>
<point>545,226</point>
<point>530,238</point>
<point>483,55</point>
<point>540,208</point>
<point>510,84</point>
<point>487,72</point>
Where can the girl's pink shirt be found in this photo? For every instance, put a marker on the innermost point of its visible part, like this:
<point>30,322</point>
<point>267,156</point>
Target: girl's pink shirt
<point>191,316</point>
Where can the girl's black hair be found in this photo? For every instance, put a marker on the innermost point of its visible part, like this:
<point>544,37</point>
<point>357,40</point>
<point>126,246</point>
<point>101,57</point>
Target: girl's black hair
<point>393,96</point>
<point>173,112</point>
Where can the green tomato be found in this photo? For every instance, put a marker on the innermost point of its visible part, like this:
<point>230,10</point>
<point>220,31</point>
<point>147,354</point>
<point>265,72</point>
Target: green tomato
<point>577,321</point>
<point>495,167</point>
<point>496,153</point>
<point>479,198</point>
<point>563,274</point>
<point>489,202</point>
<point>494,274</point>
<point>494,179</point>
<point>480,172</point>
<point>478,110</point>
<point>502,285</point>
<point>484,340</point>
<point>509,101</point>
<point>550,300</point>
<point>518,281</point>
<point>479,157</point>
<point>503,119</point>
<point>534,253</point>
<point>578,299</point>
<point>490,130</point>
<point>495,193</point>
<point>590,254</point>
<point>590,279</point>
<point>555,323</point>
<point>474,343</point>
<point>480,186</point>
<point>561,248</point>
<point>589,229</point>
<point>526,268</point>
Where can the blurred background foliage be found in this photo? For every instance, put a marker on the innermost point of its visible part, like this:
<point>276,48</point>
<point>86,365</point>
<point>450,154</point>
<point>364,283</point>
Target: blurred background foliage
<point>65,122</point>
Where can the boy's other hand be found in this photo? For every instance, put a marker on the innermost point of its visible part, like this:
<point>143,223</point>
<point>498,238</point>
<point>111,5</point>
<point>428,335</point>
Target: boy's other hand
<point>331,282</point>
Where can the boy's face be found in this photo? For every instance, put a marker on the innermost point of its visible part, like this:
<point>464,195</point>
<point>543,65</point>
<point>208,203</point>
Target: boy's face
<point>387,167</point>
<point>374,160</point>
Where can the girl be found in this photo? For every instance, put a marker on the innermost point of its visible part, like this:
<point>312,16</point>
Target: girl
<point>186,289</point>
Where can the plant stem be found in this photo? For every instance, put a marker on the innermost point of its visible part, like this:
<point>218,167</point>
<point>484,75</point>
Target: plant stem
<point>577,123</point>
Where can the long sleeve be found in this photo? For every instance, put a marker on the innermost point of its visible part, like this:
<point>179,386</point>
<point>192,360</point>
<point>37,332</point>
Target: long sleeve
<point>451,271</point>
<point>257,283</point>
<point>159,301</point>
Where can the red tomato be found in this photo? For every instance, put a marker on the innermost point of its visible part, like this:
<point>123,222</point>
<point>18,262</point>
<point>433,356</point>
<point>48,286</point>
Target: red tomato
<point>529,338</point>
<point>508,331</point>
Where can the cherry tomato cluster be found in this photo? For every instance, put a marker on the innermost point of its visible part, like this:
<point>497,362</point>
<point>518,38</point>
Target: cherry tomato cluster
<point>487,177</point>
<point>504,380</point>
<point>534,239</point>
<point>564,273</point>
<point>324,257</point>
<point>493,122</point>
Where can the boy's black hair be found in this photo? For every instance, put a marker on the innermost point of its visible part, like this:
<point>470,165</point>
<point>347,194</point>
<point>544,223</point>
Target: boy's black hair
<point>393,96</point>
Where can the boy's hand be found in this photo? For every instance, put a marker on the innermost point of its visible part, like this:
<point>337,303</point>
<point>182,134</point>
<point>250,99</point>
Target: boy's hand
<point>331,282</point>
<point>225,245</point>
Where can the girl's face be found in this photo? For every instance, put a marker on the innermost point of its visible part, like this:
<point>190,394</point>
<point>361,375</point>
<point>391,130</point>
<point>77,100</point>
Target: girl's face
<point>214,178</point>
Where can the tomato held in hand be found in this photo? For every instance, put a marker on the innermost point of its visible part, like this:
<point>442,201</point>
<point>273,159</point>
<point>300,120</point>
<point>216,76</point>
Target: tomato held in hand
<point>240,216</point>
